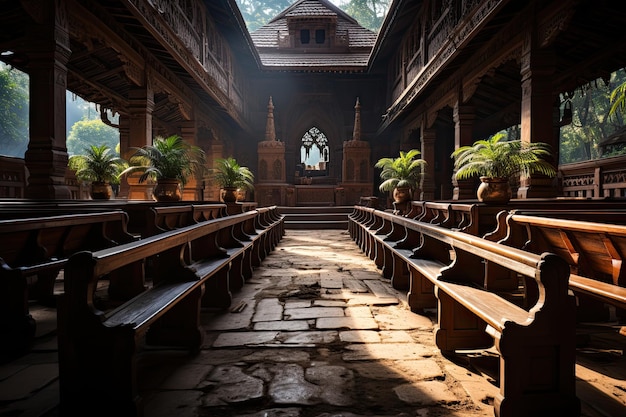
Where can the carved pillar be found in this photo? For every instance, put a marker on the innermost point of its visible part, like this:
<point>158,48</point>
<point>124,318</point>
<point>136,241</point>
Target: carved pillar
<point>124,129</point>
<point>463,124</point>
<point>428,154</point>
<point>141,105</point>
<point>214,151</point>
<point>193,188</point>
<point>538,122</point>
<point>356,169</point>
<point>46,156</point>
<point>271,179</point>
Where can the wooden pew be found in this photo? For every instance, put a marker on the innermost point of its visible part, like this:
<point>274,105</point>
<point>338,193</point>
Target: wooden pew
<point>594,251</point>
<point>99,347</point>
<point>32,253</point>
<point>480,219</point>
<point>458,216</point>
<point>536,344</point>
<point>268,229</point>
<point>208,211</point>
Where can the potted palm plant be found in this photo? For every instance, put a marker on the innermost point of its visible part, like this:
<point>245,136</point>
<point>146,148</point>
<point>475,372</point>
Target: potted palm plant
<point>170,161</point>
<point>231,176</point>
<point>402,174</point>
<point>496,160</point>
<point>100,166</point>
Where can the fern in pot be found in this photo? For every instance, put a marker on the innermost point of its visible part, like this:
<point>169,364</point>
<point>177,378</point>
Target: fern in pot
<point>231,177</point>
<point>497,160</point>
<point>170,161</point>
<point>101,167</point>
<point>402,174</point>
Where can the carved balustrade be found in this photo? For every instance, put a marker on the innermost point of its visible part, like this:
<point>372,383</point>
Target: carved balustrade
<point>599,178</point>
<point>191,32</point>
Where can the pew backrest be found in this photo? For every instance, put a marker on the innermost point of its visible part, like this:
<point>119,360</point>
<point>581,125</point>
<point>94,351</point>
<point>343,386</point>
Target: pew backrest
<point>33,240</point>
<point>592,249</point>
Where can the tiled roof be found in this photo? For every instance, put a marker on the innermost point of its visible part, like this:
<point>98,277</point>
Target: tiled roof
<point>360,40</point>
<point>310,8</point>
<point>316,61</point>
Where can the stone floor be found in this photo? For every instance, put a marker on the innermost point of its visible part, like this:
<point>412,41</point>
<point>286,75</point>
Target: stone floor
<point>316,333</point>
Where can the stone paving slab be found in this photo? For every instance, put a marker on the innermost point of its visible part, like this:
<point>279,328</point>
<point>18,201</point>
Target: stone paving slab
<point>27,380</point>
<point>290,325</point>
<point>364,323</point>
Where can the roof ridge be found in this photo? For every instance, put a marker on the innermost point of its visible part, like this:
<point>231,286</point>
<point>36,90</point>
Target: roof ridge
<point>325,3</point>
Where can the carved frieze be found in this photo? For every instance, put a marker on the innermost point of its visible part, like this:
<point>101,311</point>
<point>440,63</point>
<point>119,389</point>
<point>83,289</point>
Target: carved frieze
<point>275,144</point>
<point>578,180</point>
<point>455,35</point>
<point>206,57</point>
<point>550,28</point>
<point>614,177</point>
<point>133,72</point>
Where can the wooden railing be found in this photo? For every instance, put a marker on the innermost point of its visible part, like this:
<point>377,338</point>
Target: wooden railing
<point>197,36</point>
<point>600,178</point>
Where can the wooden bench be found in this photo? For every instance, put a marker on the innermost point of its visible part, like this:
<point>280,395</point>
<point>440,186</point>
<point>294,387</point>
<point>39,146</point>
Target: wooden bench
<point>209,211</point>
<point>99,347</point>
<point>32,253</point>
<point>595,251</point>
<point>479,218</point>
<point>536,344</point>
<point>268,228</point>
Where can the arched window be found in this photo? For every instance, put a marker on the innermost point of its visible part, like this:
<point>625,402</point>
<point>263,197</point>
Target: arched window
<point>314,152</point>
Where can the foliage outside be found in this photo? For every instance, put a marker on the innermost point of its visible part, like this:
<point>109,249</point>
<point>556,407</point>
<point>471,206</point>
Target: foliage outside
<point>595,117</point>
<point>403,171</point>
<point>86,133</point>
<point>229,174</point>
<point>497,157</point>
<point>167,158</point>
<point>98,164</point>
<point>13,112</point>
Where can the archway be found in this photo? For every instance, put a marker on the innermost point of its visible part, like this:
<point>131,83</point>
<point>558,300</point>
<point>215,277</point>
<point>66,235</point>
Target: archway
<point>314,153</point>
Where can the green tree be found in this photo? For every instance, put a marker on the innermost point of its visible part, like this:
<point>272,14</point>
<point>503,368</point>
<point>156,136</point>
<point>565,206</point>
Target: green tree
<point>257,13</point>
<point>13,112</point>
<point>91,132</point>
<point>593,120</point>
<point>369,13</point>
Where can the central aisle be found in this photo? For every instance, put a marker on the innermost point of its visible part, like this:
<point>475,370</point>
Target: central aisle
<point>315,332</point>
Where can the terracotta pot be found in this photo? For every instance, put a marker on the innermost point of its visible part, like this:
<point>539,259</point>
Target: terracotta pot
<point>241,194</point>
<point>402,194</point>
<point>494,190</point>
<point>100,190</point>
<point>229,194</point>
<point>167,189</point>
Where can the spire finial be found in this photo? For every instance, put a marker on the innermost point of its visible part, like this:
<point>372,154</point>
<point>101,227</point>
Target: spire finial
<point>356,133</point>
<point>270,130</point>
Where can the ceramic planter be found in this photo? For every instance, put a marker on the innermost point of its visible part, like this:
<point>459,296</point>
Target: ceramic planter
<point>494,190</point>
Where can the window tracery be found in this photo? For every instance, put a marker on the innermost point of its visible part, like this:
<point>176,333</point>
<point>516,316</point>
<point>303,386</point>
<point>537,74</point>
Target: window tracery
<point>314,148</point>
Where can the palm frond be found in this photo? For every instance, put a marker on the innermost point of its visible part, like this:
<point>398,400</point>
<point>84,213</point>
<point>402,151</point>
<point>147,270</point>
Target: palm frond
<point>403,171</point>
<point>169,157</point>
<point>229,174</point>
<point>500,158</point>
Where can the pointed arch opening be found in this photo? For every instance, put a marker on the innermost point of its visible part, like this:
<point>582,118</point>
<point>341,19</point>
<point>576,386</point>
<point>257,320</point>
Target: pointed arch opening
<point>314,153</point>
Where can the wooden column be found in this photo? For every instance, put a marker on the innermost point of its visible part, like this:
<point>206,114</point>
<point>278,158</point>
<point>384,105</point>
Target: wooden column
<point>539,121</point>
<point>215,151</point>
<point>124,129</point>
<point>46,156</point>
<point>463,129</point>
<point>428,154</point>
<point>141,104</point>
<point>193,188</point>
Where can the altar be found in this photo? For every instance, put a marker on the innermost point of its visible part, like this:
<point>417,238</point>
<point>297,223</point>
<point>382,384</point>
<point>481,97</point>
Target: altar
<point>316,195</point>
